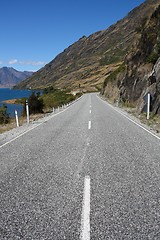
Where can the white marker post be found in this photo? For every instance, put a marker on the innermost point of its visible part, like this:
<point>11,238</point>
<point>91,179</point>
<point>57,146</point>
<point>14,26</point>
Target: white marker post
<point>16,114</point>
<point>148,105</point>
<point>27,111</point>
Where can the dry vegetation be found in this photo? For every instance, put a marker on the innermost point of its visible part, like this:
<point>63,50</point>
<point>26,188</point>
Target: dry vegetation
<point>153,123</point>
<point>22,121</point>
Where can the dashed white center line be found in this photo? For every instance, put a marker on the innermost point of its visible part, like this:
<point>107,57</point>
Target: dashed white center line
<point>90,111</point>
<point>85,220</point>
<point>89,125</point>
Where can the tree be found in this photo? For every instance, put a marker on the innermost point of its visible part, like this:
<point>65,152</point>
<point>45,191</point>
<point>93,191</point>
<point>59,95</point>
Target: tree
<point>4,116</point>
<point>35,104</point>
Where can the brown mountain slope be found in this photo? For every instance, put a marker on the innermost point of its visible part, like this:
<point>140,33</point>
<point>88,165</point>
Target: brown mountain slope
<point>88,61</point>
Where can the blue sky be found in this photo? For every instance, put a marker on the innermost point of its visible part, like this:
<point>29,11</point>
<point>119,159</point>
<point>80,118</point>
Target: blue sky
<point>33,32</point>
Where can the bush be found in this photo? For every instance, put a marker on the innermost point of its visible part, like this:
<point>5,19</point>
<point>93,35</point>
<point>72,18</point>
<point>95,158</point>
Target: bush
<point>4,116</point>
<point>50,89</point>
<point>56,98</point>
<point>35,104</point>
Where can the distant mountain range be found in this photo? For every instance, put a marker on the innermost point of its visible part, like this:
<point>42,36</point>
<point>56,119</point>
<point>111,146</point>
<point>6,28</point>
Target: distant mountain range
<point>9,77</point>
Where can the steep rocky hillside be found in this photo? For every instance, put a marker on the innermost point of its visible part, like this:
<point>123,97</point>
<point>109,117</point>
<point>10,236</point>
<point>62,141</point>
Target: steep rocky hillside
<point>9,77</point>
<point>89,61</point>
<point>140,72</point>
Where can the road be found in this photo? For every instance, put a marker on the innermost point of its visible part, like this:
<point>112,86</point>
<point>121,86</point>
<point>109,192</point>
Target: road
<point>86,173</point>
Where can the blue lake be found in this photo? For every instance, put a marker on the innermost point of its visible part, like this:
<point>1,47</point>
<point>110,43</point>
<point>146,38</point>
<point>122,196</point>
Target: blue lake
<point>7,94</point>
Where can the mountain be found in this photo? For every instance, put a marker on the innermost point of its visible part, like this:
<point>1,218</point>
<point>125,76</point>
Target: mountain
<point>119,60</point>
<point>90,59</point>
<point>9,77</point>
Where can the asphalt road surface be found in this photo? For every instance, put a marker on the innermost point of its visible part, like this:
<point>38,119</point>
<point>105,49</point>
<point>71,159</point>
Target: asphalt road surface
<point>86,173</point>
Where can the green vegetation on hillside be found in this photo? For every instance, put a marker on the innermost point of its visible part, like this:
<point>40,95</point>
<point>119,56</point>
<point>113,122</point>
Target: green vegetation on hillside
<point>114,57</point>
<point>50,98</point>
<point>150,37</point>
<point>114,74</point>
<point>54,97</point>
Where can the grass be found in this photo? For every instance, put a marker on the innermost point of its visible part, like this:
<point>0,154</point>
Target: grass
<point>111,58</point>
<point>57,98</point>
<point>22,121</point>
<point>128,105</point>
<point>21,101</point>
<point>153,119</point>
<point>153,122</point>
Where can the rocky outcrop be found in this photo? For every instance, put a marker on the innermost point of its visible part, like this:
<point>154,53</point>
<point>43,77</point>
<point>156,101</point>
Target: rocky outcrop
<point>142,67</point>
<point>153,87</point>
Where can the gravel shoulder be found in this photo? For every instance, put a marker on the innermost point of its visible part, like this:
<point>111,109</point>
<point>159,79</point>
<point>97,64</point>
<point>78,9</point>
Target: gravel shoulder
<point>152,125</point>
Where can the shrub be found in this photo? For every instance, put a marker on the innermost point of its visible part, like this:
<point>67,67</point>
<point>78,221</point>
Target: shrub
<point>56,98</point>
<point>4,116</point>
<point>50,89</point>
<point>35,104</point>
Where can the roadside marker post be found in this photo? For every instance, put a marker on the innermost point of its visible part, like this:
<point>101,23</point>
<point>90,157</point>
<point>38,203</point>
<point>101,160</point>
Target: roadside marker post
<point>17,121</point>
<point>148,105</point>
<point>27,111</point>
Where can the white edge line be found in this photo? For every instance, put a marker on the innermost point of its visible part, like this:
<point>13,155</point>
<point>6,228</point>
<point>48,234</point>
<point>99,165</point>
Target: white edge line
<point>130,119</point>
<point>85,219</point>
<point>20,135</point>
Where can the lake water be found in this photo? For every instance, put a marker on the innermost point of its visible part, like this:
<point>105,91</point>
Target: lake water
<point>7,93</point>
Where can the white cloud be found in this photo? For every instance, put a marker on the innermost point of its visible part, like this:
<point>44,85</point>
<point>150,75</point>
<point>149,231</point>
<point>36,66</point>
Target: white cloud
<point>33,63</point>
<point>39,63</point>
<point>13,61</point>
